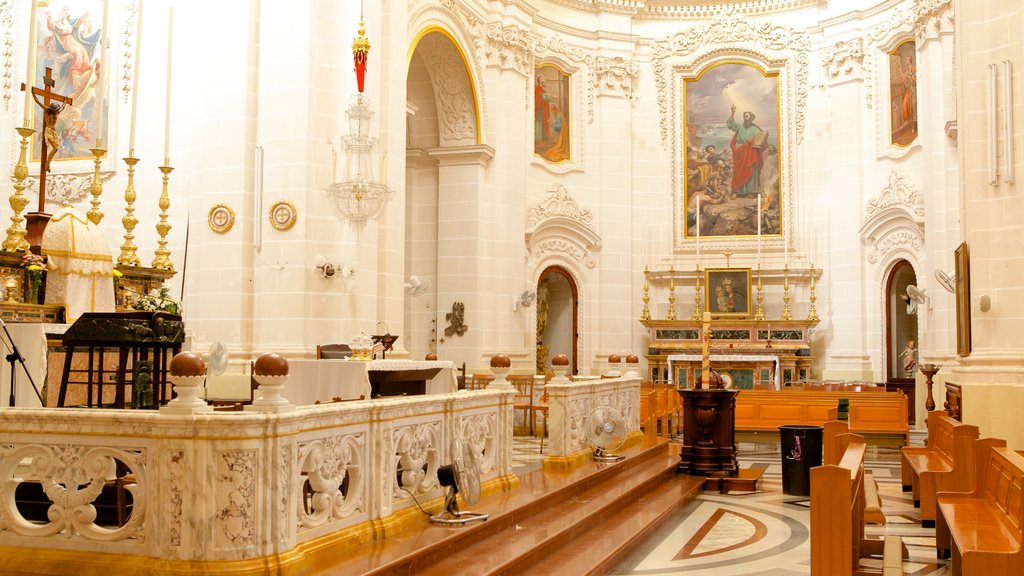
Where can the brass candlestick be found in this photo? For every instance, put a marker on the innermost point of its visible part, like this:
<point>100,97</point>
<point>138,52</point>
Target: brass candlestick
<point>759,313</point>
<point>128,256</point>
<point>697,312</point>
<point>645,314</point>
<point>812,312</point>
<point>163,255</point>
<point>15,241</point>
<point>786,313</point>
<point>671,314</point>
<point>96,188</point>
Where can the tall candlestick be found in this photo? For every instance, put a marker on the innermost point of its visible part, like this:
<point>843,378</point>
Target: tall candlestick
<point>698,231</point>
<point>105,68</point>
<point>167,112</point>
<point>135,79</point>
<point>30,65</point>
<point>758,229</point>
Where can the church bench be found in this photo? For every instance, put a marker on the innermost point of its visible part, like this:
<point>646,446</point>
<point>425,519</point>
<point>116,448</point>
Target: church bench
<point>876,414</point>
<point>648,404</point>
<point>945,464</point>
<point>665,413</point>
<point>980,531</point>
<point>832,451</point>
<point>837,516</point>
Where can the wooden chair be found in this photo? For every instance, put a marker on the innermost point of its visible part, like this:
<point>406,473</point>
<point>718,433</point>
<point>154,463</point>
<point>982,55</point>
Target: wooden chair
<point>524,398</point>
<point>333,351</point>
<point>478,381</point>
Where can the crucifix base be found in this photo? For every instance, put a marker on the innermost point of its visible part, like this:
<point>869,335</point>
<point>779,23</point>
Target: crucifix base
<point>35,223</point>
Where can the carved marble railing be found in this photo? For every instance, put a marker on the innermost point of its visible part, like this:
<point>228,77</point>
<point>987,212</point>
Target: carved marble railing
<point>569,405</point>
<point>242,485</point>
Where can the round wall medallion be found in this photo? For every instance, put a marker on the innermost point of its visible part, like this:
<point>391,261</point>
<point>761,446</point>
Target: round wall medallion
<point>283,215</point>
<point>221,218</point>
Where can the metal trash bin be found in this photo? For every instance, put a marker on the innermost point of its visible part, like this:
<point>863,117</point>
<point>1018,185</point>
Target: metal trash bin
<point>801,450</point>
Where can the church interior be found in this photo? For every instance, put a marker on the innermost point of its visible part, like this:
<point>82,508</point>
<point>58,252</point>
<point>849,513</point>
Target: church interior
<point>269,314</point>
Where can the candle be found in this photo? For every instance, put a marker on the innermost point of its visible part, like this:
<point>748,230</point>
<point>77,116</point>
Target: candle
<point>167,111</point>
<point>759,230</point>
<point>698,231</point>
<point>135,79</point>
<point>30,65</point>
<point>104,62</point>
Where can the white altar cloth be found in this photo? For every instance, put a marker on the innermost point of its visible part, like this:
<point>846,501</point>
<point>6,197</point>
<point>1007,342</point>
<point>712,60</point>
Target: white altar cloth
<point>323,380</point>
<point>725,358</point>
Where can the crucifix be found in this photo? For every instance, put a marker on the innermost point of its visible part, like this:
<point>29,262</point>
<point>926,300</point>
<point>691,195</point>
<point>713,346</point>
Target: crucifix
<point>52,104</point>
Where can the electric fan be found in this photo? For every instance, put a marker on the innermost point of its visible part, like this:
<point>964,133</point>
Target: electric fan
<point>947,280</point>
<point>606,429</point>
<point>218,360</point>
<point>915,297</point>
<point>462,476</point>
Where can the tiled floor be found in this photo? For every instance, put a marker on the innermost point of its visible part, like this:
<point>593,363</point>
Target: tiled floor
<point>766,532</point>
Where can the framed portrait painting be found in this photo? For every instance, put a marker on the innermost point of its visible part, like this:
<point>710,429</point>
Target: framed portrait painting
<point>731,137</point>
<point>727,292</point>
<point>69,38</point>
<point>903,94</point>
<point>551,114</point>
<point>963,300</point>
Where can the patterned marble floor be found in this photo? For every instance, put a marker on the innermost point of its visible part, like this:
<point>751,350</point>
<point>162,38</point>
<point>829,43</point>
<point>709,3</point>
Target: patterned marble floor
<point>766,532</point>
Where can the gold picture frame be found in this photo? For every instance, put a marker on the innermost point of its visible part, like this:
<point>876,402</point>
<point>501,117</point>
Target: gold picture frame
<point>963,300</point>
<point>283,215</point>
<point>727,292</point>
<point>221,218</point>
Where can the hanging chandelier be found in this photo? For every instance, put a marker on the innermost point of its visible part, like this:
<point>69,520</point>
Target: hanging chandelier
<point>358,197</point>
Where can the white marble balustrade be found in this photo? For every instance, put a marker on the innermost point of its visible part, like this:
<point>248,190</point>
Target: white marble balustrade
<point>570,403</point>
<point>229,485</point>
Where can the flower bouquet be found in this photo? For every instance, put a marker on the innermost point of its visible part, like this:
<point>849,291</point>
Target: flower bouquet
<point>35,266</point>
<point>158,300</point>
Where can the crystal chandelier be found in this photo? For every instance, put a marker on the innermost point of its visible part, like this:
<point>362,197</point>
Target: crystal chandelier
<point>358,197</point>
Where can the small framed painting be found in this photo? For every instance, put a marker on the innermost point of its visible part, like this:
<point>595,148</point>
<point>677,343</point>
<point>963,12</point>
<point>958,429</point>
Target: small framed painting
<point>727,292</point>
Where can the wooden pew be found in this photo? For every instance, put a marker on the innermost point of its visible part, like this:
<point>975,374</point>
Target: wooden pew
<point>832,451</point>
<point>873,412</point>
<point>648,405</point>
<point>837,517</point>
<point>980,531</point>
<point>945,464</point>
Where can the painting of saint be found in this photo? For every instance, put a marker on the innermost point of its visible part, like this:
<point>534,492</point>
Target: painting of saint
<point>68,40</point>
<point>732,150</point>
<point>903,93</point>
<point>729,292</point>
<point>551,114</point>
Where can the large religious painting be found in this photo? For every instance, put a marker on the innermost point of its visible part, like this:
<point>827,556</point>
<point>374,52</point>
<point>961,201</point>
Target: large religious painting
<point>732,151</point>
<point>68,40</point>
<point>551,113</point>
<point>903,93</point>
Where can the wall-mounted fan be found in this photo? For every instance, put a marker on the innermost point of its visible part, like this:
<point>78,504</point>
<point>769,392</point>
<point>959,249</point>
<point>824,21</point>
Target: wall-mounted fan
<point>217,362</point>
<point>915,297</point>
<point>946,280</point>
<point>606,429</point>
<point>416,286</point>
<point>525,299</point>
<point>462,476</point>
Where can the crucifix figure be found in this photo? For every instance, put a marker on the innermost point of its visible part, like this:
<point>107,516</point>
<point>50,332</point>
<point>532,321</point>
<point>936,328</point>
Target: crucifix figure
<point>52,105</point>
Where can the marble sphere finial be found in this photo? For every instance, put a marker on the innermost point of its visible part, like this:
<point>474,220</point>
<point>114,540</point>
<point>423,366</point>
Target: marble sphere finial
<point>271,364</point>
<point>187,364</point>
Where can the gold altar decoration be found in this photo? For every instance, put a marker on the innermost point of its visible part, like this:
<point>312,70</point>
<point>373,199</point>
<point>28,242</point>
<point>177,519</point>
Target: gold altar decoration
<point>671,314</point>
<point>128,255</point>
<point>812,312</point>
<point>15,241</point>
<point>96,188</point>
<point>759,313</point>
<point>645,314</point>
<point>787,314</point>
<point>697,313</point>
<point>162,257</point>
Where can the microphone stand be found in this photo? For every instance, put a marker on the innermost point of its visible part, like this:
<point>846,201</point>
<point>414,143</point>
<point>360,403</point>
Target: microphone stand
<point>15,356</point>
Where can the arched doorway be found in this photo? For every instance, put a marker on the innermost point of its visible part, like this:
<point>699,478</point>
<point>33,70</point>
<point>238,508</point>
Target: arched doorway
<point>558,330</point>
<point>901,338</point>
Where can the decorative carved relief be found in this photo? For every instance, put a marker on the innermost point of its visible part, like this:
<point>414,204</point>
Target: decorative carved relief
<point>558,225</point>
<point>894,220</point>
<point>129,45</point>
<point>479,431</point>
<point>60,188</point>
<point>284,482</point>
<point>728,30</point>
<point>844,61</point>
<point>234,524</point>
<point>452,90</point>
<point>333,469</point>
<point>416,459</point>
<point>616,77</point>
<point>558,203</point>
<point>7,24</point>
<point>898,192</point>
<point>175,466</point>
<point>685,9</point>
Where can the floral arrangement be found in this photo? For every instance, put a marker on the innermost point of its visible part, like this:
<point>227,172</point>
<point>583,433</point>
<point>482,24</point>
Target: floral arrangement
<point>158,300</point>
<point>35,265</point>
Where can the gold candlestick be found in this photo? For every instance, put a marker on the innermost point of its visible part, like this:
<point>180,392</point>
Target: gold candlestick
<point>759,313</point>
<point>645,314</point>
<point>671,314</point>
<point>786,313</point>
<point>697,312</point>
<point>15,241</point>
<point>128,256</point>
<point>96,188</point>
<point>162,259</point>
<point>812,312</point>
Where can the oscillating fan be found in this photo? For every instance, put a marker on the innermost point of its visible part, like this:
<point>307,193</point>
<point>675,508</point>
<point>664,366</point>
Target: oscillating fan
<point>606,429</point>
<point>947,280</point>
<point>462,476</point>
<point>915,297</point>
<point>218,361</point>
